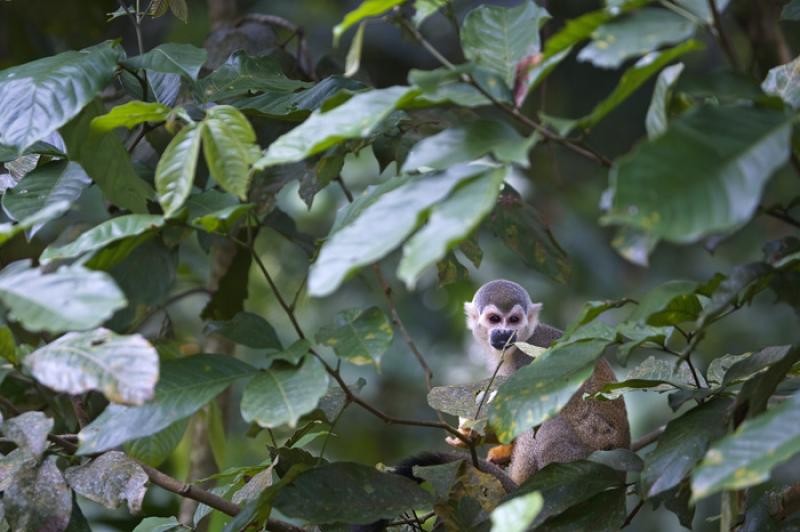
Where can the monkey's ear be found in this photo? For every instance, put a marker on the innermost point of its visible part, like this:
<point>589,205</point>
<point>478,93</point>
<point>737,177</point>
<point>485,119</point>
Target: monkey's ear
<point>472,314</point>
<point>533,313</point>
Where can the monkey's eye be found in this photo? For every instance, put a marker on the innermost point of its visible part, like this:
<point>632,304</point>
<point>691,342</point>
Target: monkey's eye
<point>513,319</point>
<point>494,318</point>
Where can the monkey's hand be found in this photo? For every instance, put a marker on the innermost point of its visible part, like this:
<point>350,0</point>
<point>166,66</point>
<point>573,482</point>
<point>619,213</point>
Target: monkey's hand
<point>457,442</point>
<point>500,454</point>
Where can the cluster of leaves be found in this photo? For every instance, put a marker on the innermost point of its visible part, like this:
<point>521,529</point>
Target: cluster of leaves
<point>102,228</point>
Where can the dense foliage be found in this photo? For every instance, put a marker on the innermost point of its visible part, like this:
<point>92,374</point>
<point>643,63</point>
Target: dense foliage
<point>124,171</point>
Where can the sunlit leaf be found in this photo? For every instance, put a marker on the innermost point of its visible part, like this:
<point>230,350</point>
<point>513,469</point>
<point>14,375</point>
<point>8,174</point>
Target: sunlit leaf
<point>123,368</point>
<point>176,168</point>
<point>517,514</point>
<point>69,298</point>
<point>229,144</point>
<point>368,8</point>
<point>657,120</point>
<point>129,115</point>
<point>353,61</point>
<point>39,97</point>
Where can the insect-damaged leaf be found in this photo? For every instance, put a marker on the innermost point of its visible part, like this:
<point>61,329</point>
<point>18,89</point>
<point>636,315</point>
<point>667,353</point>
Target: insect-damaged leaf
<point>110,479</point>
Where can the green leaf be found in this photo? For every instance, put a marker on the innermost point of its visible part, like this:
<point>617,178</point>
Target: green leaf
<point>223,220</point>
<point>745,366</point>
<point>358,117</point>
<point>102,235</point>
<point>38,499</point>
<point>158,524</point>
<point>700,8</point>
<point>538,391</point>
<point>444,85</point>
<point>634,245</point>
<point>297,105</point>
<point>470,142</point>
<point>185,385</point>
<point>657,119</point>
<point>292,354</point>
<point>393,215</point>
<point>517,514</point>
<point>634,77</point>
<point>746,457</point>
<point>603,512</point>
<point>635,35</point>
<point>67,299</point>
<point>353,61</point>
<point>450,222</point>
<point>247,329</point>
<point>565,485</point>
<point>518,225</point>
<point>180,10</point>
<point>129,115</point>
<point>462,399</point>
<point>345,492</point>
<point>54,182</point>
<point>368,8</point>
<point>171,58</point>
<point>425,8</point>
<point>652,374</point>
<point>229,144</point>
<point>29,433</point>
<point>106,161</point>
<point>281,394</point>
<point>110,479</point>
<point>791,11</point>
<point>242,74</point>
<point>39,97</point>
<point>123,368</point>
<point>498,38</point>
<point>532,73</point>
<point>176,168</point>
<point>683,445</point>
<point>50,212</point>
<point>704,175</point>
<point>154,450</point>
<point>359,336</point>
<point>784,81</point>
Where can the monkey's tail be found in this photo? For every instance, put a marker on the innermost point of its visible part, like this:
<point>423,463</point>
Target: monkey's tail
<point>406,469</point>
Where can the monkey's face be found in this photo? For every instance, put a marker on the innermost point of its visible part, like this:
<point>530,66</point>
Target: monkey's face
<point>499,330</point>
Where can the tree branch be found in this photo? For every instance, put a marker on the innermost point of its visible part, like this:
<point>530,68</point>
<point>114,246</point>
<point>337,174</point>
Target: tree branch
<point>647,439</point>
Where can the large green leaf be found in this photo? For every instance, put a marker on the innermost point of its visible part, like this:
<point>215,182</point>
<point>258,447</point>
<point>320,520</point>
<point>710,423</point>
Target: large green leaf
<point>281,394</point>
<point>657,120</point>
<point>50,212</point>
<point>498,38</point>
<point>153,450</point>
<point>538,391</point>
<point>565,485</point>
<point>704,175</point>
<point>110,479</point>
<point>246,328</point>
<point>382,226</point>
<point>39,498</point>
<point>359,336</point>
<point>171,58</point>
<point>106,161</point>
<point>102,235</point>
<point>358,117</point>
<point>129,115</point>
<point>242,74</point>
<point>518,225</point>
<point>368,8</point>
<point>39,97</point>
<point>637,34</point>
<point>450,222</point>
<point>517,514</point>
<point>176,168</point>
<point>123,368</point>
<point>54,182</point>
<point>682,446</point>
<point>470,142</point>
<point>633,78</point>
<point>784,81</point>
<point>229,144</point>
<point>185,385</point>
<point>345,492</point>
<point>443,85</point>
<point>67,299</point>
<point>746,457</point>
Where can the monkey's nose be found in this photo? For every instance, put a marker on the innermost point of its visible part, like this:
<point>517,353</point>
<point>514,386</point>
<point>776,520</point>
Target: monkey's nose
<point>499,339</point>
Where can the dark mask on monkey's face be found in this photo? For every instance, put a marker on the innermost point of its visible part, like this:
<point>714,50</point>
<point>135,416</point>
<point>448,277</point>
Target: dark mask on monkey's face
<point>502,313</point>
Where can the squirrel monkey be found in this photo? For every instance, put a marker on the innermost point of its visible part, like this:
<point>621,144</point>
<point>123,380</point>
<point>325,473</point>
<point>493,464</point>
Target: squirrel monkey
<point>501,313</point>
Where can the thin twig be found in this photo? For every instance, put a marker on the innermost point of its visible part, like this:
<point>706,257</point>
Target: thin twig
<point>174,299</point>
<point>137,26</point>
<point>413,520</point>
<point>647,439</point>
<point>781,214</point>
<point>489,386</point>
<point>633,513</point>
<point>722,37</point>
<point>80,410</point>
<point>509,110</point>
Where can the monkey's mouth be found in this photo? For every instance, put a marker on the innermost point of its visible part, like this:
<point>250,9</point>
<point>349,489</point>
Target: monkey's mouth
<point>503,339</point>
